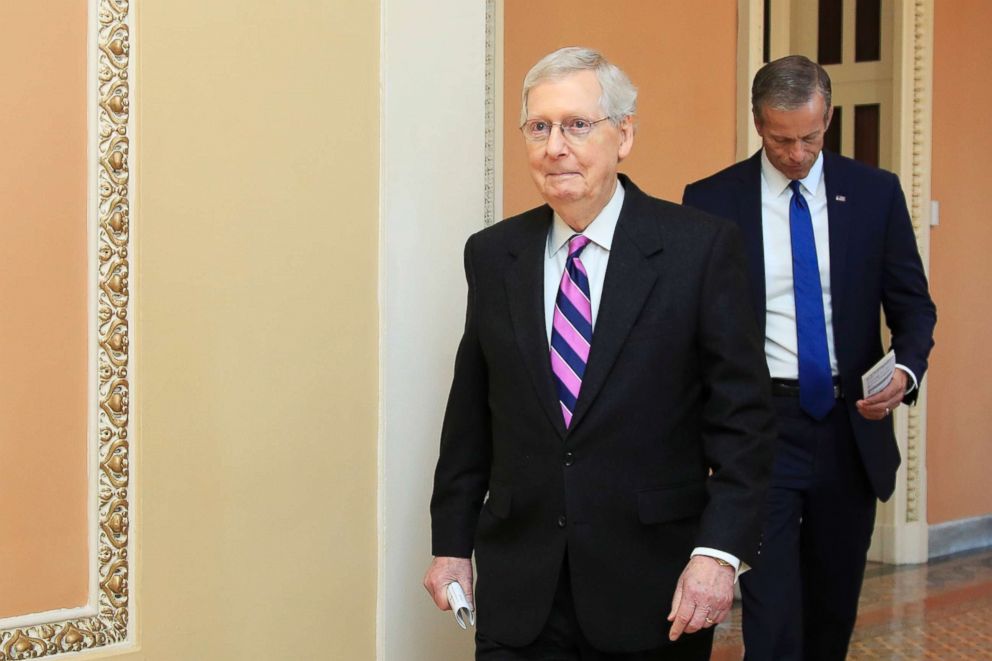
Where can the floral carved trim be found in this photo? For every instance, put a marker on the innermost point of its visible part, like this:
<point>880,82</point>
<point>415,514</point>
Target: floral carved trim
<point>919,193</point>
<point>110,624</point>
<point>489,216</point>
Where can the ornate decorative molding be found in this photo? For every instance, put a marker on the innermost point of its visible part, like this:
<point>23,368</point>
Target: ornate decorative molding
<point>111,601</point>
<point>913,463</point>
<point>919,200</point>
<point>489,216</point>
<point>920,115</point>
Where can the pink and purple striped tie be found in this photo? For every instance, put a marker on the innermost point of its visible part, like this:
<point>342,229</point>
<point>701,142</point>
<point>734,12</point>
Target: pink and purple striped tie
<point>571,329</point>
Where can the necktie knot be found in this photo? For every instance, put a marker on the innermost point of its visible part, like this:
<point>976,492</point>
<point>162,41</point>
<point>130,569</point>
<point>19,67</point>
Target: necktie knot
<point>797,196</point>
<point>576,244</point>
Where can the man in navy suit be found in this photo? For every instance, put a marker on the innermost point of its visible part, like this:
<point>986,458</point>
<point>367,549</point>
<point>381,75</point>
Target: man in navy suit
<point>830,245</point>
<point>607,440</point>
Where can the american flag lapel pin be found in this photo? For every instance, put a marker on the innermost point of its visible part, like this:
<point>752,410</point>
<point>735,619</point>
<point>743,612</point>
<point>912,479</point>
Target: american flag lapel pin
<point>840,198</point>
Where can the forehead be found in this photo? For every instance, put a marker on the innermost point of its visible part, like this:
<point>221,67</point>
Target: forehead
<point>795,122</point>
<point>576,93</point>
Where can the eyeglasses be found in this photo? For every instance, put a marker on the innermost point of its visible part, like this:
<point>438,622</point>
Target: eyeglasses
<point>574,129</point>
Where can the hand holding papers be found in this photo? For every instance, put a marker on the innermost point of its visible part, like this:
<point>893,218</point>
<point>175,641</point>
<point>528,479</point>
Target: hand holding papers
<point>443,582</point>
<point>459,605</point>
<point>879,376</point>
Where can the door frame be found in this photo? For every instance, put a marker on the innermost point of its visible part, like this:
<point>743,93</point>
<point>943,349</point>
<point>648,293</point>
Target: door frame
<point>901,534</point>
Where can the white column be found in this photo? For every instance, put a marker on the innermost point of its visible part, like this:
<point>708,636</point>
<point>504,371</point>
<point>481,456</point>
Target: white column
<point>432,197</point>
<point>901,533</point>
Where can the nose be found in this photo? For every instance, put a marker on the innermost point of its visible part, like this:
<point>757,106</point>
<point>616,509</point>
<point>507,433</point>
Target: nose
<point>796,152</point>
<point>556,145</point>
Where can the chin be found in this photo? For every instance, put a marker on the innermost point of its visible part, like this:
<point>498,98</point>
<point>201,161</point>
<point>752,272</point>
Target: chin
<point>559,192</point>
<point>563,197</point>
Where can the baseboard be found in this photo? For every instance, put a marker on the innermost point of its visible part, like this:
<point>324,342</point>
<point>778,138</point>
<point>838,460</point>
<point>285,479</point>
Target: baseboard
<point>904,544</point>
<point>960,535</point>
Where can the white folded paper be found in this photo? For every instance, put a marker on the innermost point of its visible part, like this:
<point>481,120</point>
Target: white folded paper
<point>459,605</point>
<point>874,380</point>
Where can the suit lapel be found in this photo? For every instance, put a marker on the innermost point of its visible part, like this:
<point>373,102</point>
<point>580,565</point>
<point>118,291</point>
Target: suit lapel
<point>525,296</point>
<point>749,217</point>
<point>839,222</point>
<point>629,279</point>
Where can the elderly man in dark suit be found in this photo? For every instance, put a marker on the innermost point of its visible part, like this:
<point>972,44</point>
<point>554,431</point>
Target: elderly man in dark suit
<point>609,394</point>
<point>829,246</point>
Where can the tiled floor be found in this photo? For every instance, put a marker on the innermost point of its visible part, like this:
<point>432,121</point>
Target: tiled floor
<point>941,610</point>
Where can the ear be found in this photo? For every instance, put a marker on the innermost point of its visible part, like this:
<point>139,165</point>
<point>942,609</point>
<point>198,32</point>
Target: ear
<point>626,137</point>
<point>830,116</point>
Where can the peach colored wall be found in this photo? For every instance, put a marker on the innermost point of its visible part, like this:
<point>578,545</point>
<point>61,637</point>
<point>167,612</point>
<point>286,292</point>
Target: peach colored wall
<point>959,441</point>
<point>681,56</point>
<point>43,307</point>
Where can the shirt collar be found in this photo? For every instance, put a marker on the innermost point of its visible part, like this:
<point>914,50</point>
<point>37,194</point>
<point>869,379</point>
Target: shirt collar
<point>600,230</point>
<point>777,182</point>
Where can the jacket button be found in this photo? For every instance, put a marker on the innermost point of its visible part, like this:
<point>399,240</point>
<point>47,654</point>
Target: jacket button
<point>569,459</point>
<point>562,521</point>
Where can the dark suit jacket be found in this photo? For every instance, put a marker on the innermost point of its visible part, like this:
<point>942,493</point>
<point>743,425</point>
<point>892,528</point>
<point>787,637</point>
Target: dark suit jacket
<point>676,386</point>
<point>874,265</point>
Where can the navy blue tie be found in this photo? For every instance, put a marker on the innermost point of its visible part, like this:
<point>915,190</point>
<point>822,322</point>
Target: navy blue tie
<point>816,390</point>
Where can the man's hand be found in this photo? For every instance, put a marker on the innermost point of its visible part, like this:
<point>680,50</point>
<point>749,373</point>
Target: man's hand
<point>881,404</point>
<point>703,596</point>
<point>444,570</point>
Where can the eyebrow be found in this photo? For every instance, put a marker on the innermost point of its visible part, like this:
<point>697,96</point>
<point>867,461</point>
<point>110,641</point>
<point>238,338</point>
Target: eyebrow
<point>564,117</point>
<point>802,137</point>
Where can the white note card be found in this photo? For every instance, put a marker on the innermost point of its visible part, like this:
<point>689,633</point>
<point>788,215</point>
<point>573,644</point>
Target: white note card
<point>459,605</point>
<point>874,380</point>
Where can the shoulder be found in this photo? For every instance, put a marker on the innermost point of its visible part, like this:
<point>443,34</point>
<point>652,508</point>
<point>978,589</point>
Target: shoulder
<point>722,192</point>
<point>683,225</point>
<point>738,173</point>
<point>511,234</point>
<point>856,173</point>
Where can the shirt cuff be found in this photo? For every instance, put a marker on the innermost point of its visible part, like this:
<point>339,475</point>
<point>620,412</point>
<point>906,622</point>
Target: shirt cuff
<point>735,562</point>
<point>912,376</point>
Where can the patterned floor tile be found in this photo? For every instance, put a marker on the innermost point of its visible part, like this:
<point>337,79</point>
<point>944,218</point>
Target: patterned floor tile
<point>939,610</point>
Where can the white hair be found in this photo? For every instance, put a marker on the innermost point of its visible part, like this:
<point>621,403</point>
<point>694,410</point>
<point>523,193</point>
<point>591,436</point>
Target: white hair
<point>619,97</point>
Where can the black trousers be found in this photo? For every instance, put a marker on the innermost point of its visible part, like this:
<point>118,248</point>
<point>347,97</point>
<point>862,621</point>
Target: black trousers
<point>801,598</point>
<point>562,639</point>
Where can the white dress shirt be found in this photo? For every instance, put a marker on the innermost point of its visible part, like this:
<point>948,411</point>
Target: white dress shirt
<point>595,257</point>
<point>781,343</point>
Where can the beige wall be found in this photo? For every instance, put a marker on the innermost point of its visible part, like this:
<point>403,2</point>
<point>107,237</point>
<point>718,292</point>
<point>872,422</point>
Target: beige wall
<point>682,57</point>
<point>958,436</point>
<point>44,544</point>
<point>257,229</point>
